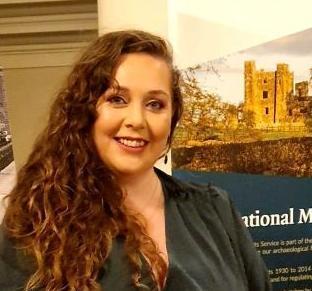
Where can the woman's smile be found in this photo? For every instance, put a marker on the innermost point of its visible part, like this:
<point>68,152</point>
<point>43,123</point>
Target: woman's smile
<point>131,142</point>
<point>131,145</point>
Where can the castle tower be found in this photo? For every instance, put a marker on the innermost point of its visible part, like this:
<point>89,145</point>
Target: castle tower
<point>267,94</point>
<point>259,95</point>
<point>284,89</point>
<point>250,100</point>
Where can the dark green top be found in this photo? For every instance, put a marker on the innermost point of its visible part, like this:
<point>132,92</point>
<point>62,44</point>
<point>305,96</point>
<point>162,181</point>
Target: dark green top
<point>208,245</point>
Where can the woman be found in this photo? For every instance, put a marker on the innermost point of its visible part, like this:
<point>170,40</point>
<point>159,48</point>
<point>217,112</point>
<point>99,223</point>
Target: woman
<point>89,211</point>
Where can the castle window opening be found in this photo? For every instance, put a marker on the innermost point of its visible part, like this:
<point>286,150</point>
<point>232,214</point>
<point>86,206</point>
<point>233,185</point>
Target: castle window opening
<point>264,81</point>
<point>265,94</point>
<point>266,110</point>
<point>290,112</point>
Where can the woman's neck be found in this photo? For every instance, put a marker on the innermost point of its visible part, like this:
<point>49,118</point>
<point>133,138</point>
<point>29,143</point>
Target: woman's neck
<point>143,191</point>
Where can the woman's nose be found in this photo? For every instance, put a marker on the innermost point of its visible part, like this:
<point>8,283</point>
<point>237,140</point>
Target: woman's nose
<point>135,116</point>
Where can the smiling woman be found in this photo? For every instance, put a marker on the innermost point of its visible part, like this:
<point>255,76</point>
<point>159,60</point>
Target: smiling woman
<point>90,212</point>
<point>133,125</point>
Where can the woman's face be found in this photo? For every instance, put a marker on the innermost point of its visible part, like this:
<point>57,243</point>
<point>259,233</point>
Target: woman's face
<point>133,123</point>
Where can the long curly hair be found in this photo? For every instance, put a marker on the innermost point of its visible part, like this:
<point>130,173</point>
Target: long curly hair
<point>67,207</point>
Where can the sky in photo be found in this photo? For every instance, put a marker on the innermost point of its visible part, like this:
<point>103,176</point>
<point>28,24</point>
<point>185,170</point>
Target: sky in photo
<point>294,50</point>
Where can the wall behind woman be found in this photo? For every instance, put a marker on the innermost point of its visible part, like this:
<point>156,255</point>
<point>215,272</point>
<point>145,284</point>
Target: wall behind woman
<point>39,42</point>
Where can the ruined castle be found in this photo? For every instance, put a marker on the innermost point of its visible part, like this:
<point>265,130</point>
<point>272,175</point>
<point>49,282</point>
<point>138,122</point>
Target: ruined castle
<point>270,97</point>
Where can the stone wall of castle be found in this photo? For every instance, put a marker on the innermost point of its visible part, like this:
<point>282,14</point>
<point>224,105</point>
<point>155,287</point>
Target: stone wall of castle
<point>302,89</point>
<point>284,91</point>
<point>270,97</point>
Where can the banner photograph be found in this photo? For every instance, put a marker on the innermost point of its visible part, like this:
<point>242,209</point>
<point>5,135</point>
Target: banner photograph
<point>247,128</point>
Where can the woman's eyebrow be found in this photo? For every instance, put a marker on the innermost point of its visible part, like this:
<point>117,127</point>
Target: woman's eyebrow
<point>158,92</point>
<point>118,89</point>
<point>125,90</point>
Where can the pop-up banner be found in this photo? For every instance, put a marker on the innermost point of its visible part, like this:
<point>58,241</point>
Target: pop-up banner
<point>247,128</point>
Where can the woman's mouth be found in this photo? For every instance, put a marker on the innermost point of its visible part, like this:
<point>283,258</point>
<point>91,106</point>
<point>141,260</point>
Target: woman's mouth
<point>131,142</point>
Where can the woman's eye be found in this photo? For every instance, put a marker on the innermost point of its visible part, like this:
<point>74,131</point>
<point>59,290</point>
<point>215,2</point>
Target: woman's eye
<point>155,105</point>
<point>117,100</point>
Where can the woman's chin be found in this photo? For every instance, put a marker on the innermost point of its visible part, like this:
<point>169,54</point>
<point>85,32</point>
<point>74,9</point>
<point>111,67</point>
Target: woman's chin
<point>132,169</point>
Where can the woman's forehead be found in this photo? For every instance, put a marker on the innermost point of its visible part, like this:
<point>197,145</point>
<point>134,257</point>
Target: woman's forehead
<point>138,70</point>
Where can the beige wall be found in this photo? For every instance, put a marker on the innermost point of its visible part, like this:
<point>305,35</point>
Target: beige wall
<point>149,15</point>
<point>30,92</point>
<point>39,42</point>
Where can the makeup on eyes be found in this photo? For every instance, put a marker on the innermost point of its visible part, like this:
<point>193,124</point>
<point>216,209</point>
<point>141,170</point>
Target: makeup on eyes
<point>155,99</point>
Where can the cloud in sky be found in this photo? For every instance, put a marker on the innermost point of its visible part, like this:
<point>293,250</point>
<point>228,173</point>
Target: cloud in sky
<point>298,44</point>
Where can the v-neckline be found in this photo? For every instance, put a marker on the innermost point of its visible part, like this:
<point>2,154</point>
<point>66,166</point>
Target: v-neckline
<point>167,236</point>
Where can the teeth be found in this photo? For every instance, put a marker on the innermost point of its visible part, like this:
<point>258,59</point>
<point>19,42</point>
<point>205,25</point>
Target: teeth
<point>131,143</point>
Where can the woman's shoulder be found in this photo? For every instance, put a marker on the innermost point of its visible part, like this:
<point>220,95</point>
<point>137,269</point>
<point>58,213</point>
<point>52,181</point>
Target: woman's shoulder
<point>14,267</point>
<point>177,188</point>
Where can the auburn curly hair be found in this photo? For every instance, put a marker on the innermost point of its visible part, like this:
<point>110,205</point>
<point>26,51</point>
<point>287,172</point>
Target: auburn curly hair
<point>66,207</point>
